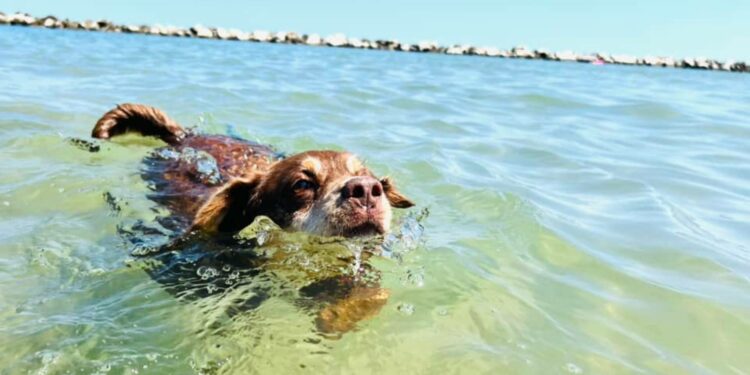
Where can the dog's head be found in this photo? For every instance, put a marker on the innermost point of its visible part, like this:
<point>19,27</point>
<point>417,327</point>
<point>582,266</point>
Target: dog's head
<point>322,192</point>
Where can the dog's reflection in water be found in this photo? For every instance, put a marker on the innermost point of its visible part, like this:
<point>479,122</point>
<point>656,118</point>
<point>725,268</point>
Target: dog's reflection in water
<point>329,277</point>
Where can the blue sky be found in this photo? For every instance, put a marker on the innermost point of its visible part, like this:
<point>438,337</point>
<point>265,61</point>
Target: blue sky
<point>685,28</point>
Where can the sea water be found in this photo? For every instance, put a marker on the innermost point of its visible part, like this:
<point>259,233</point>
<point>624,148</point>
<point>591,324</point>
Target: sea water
<point>570,218</point>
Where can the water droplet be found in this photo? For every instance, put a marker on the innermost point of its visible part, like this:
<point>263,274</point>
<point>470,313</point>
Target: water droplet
<point>262,237</point>
<point>167,154</point>
<point>204,165</point>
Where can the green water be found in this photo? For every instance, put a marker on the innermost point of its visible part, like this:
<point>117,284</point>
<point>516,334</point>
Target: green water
<point>582,219</point>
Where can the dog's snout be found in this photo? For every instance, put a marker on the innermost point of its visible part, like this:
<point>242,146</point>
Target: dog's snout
<point>364,190</point>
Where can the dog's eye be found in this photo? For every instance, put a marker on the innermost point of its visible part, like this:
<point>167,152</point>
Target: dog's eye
<point>303,185</point>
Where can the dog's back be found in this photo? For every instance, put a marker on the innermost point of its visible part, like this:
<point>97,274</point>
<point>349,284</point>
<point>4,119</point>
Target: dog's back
<point>187,171</point>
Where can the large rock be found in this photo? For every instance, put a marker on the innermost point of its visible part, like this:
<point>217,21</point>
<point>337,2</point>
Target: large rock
<point>566,56</point>
<point>131,29</point>
<point>201,31</point>
<point>648,60</point>
<point>261,36</point>
<point>72,25</point>
<point>50,22</point>
<point>279,37</point>
<point>355,43</point>
<point>522,53</point>
<point>90,25</point>
<point>427,46</point>
<point>294,38</point>
<point>336,40</point>
<point>605,57</point>
<point>405,47</point>
<point>387,44</point>
<point>105,25</point>
<point>586,59</point>
<point>21,19</point>
<point>237,34</point>
<point>369,44</point>
<point>493,52</point>
<point>223,33</point>
<point>457,50</point>
<point>740,66</point>
<point>487,51</point>
<point>668,62</point>
<point>624,59</point>
<point>543,54</point>
<point>657,61</point>
<point>3,18</point>
<point>313,40</point>
<point>701,63</point>
<point>155,30</point>
<point>169,31</point>
<point>726,65</point>
<point>40,21</point>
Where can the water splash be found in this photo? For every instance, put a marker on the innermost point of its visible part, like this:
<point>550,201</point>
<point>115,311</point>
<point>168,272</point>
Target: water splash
<point>406,237</point>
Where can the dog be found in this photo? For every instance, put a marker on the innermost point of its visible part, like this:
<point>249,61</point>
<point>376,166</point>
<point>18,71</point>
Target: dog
<point>328,193</point>
<point>225,182</point>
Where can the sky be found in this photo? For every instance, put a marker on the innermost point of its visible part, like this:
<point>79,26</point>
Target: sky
<point>717,29</point>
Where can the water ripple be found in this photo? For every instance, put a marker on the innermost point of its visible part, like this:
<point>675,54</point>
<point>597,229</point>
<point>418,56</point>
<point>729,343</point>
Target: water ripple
<point>582,219</point>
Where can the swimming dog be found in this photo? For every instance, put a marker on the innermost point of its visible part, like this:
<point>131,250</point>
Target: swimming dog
<point>220,184</point>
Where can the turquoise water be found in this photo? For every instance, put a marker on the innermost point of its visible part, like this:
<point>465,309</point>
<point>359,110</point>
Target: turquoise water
<point>582,219</point>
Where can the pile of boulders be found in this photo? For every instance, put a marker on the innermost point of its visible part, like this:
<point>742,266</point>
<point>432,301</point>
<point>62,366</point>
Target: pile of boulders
<point>341,40</point>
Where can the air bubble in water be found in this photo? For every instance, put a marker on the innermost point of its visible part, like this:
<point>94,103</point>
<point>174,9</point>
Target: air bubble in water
<point>206,273</point>
<point>405,308</point>
<point>573,368</point>
<point>414,277</point>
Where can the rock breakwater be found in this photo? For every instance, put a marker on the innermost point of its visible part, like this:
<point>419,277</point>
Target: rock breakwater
<point>342,41</point>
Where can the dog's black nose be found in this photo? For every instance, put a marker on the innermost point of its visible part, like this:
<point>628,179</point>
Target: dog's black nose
<point>364,190</point>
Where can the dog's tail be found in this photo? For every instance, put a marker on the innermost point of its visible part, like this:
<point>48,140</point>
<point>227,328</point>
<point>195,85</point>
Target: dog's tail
<point>138,118</point>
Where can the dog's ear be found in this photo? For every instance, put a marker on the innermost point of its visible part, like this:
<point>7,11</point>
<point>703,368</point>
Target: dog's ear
<point>226,209</point>
<point>395,198</point>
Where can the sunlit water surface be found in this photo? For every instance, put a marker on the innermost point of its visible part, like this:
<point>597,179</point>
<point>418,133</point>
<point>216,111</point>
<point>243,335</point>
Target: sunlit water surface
<point>582,219</point>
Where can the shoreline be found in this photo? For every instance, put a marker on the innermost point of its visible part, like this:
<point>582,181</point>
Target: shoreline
<point>342,41</point>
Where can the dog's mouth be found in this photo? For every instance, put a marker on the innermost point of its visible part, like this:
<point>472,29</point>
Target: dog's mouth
<point>368,228</point>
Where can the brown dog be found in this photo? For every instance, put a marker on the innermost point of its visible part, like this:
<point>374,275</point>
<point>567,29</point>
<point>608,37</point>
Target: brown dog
<point>328,193</point>
<point>226,182</point>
